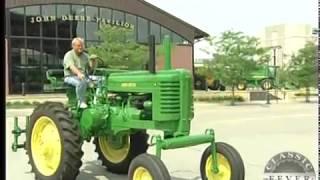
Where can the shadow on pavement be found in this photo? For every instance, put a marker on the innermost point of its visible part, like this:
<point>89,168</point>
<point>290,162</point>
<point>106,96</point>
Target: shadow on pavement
<point>93,170</point>
<point>177,178</point>
<point>261,104</point>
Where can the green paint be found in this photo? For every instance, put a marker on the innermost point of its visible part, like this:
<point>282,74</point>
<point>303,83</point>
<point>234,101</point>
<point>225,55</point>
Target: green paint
<point>262,72</point>
<point>17,131</point>
<point>167,48</point>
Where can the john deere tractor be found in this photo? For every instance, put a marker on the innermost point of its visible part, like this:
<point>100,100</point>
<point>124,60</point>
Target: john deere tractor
<point>122,106</point>
<point>263,76</point>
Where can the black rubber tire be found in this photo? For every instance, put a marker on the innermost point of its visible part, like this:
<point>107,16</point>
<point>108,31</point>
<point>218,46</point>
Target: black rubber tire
<point>138,145</point>
<point>263,84</point>
<point>153,164</point>
<point>222,88</point>
<point>69,131</point>
<point>244,87</point>
<point>233,157</point>
<point>215,85</point>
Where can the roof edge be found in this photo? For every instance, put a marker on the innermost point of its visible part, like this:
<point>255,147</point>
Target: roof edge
<point>198,32</point>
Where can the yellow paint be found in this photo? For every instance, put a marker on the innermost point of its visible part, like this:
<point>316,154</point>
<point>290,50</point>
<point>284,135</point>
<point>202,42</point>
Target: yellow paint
<point>46,146</point>
<point>224,168</point>
<point>142,173</point>
<point>114,155</point>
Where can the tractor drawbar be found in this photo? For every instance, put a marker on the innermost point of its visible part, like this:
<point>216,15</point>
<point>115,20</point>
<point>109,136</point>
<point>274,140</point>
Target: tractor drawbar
<point>17,131</point>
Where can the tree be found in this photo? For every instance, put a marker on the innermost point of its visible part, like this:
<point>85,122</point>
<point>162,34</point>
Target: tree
<point>302,68</point>
<point>236,57</point>
<point>118,49</point>
<point>283,77</point>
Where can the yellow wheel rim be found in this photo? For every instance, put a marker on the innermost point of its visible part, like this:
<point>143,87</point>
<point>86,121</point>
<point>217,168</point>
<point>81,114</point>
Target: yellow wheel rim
<point>111,153</point>
<point>46,146</point>
<point>141,174</point>
<point>267,85</point>
<point>224,168</point>
<point>240,86</point>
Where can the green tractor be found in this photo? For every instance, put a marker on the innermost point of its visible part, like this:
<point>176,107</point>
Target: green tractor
<point>122,106</point>
<point>264,77</point>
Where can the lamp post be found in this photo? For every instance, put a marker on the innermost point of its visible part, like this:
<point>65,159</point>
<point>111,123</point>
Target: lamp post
<point>274,48</point>
<point>275,70</point>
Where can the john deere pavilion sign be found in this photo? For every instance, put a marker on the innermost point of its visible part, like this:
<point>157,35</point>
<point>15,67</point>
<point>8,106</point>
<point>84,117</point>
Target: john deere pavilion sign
<point>99,20</point>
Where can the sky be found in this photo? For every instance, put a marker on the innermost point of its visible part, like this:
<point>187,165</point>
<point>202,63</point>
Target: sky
<point>248,16</point>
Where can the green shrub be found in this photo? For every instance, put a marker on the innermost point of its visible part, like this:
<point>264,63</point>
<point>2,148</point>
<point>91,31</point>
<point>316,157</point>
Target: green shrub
<point>17,103</point>
<point>21,104</point>
<point>218,99</point>
<point>35,103</point>
<point>26,103</point>
<point>304,94</point>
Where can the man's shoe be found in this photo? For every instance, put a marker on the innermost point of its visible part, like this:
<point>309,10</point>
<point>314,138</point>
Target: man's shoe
<point>83,105</point>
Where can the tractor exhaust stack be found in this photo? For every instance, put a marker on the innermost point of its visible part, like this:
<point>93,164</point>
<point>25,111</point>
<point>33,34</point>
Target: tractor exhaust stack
<point>167,48</point>
<point>152,55</point>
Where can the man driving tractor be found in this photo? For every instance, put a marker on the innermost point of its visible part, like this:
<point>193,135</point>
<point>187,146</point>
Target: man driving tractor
<point>77,64</point>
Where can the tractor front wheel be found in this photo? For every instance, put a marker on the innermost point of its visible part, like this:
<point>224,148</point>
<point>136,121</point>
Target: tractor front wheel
<point>148,167</point>
<point>118,156</point>
<point>229,163</point>
<point>53,143</point>
<point>242,85</point>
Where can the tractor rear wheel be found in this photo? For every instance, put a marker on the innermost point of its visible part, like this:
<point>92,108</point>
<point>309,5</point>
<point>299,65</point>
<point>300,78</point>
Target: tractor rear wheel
<point>117,158</point>
<point>267,84</point>
<point>53,143</point>
<point>230,164</point>
<point>148,167</point>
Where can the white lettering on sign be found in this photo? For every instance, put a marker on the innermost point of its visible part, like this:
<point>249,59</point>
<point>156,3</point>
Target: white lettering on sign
<point>114,22</point>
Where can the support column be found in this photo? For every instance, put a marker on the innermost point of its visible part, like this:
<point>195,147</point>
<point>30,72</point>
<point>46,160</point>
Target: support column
<point>6,67</point>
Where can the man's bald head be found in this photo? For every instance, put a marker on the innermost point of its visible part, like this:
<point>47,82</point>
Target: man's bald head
<point>78,45</point>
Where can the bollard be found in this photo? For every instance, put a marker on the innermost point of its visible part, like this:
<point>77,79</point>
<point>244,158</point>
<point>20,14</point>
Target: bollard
<point>23,92</point>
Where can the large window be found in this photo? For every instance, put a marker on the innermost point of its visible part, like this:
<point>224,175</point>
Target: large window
<point>33,20</point>
<point>118,16</point>
<point>48,20</point>
<point>106,13</point>
<point>18,54</point>
<point>132,19</point>
<point>63,26</point>
<point>165,32</point>
<point>17,20</point>
<point>40,35</point>
<point>49,52</point>
<point>155,30</point>
<point>78,26</point>
<point>63,47</point>
<point>33,52</point>
<point>177,39</point>
<point>92,25</point>
<point>143,31</point>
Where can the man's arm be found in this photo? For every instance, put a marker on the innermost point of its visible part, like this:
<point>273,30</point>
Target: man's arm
<point>76,71</point>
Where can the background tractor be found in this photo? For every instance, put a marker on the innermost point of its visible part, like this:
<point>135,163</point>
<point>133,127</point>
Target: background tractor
<point>203,80</point>
<point>264,77</point>
<point>123,105</point>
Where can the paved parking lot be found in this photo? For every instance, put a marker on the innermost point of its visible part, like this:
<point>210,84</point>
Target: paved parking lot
<point>257,131</point>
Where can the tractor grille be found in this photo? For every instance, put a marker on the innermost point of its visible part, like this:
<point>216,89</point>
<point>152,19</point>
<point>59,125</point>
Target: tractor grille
<point>170,97</point>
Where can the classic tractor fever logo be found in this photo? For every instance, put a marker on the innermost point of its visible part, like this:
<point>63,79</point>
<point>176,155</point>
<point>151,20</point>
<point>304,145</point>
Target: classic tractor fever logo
<point>289,166</point>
